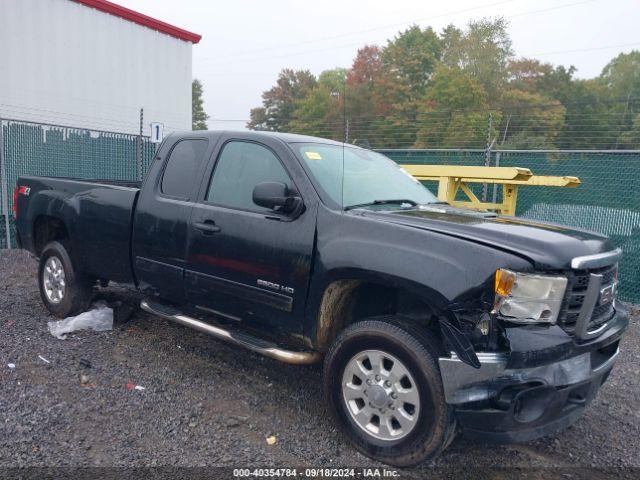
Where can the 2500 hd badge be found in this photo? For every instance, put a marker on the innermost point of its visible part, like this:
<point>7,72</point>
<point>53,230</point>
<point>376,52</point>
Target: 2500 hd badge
<point>275,286</point>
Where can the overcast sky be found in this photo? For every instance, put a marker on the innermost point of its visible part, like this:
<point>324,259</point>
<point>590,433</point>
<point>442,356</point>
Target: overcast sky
<point>246,43</point>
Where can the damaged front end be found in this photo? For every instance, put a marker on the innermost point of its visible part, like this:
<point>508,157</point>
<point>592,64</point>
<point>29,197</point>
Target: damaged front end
<point>515,378</point>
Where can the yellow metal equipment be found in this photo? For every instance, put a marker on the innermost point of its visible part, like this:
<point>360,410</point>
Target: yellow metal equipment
<point>454,178</point>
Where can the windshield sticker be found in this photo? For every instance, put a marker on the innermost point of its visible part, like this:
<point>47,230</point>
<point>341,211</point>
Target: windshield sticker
<point>313,155</point>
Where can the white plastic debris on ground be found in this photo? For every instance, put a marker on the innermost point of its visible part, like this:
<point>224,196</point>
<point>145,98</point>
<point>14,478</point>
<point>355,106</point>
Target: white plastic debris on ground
<point>100,319</point>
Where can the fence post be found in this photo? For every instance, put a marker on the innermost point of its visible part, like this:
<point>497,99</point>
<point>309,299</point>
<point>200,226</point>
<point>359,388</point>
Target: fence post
<point>487,155</point>
<point>4,187</point>
<point>139,148</point>
<point>495,185</point>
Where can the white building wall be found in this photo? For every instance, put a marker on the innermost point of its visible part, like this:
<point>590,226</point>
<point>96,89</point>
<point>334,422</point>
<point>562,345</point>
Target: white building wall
<point>65,63</point>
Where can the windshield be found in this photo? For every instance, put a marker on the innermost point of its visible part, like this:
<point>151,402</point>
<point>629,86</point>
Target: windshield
<point>369,178</point>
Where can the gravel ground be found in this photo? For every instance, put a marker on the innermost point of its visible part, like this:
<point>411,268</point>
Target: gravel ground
<point>206,404</point>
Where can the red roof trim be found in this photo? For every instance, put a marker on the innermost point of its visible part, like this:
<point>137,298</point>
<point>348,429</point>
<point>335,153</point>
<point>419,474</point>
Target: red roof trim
<point>141,19</point>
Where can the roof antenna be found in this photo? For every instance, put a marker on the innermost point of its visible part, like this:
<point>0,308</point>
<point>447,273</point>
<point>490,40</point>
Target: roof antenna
<point>345,130</point>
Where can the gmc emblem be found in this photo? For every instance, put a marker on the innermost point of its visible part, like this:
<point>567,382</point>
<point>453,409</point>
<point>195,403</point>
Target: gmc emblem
<point>607,293</point>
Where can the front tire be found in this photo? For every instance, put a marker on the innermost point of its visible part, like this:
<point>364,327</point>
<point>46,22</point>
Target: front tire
<point>383,386</point>
<point>64,290</point>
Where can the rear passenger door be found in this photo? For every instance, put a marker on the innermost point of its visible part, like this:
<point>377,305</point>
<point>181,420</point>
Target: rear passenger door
<point>247,262</point>
<point>162,217</point>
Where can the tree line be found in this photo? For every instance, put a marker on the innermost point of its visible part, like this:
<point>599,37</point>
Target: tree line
<point>460,88</point>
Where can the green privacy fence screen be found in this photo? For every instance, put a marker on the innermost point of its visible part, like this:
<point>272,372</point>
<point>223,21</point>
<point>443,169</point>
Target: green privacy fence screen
<point>60,151</point>
<point>607,201</point>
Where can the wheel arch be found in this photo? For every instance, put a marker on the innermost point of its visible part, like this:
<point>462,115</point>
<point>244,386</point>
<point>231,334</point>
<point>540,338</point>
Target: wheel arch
<point>350,295</point>
<point>50,214</point>
<point>47,228</point>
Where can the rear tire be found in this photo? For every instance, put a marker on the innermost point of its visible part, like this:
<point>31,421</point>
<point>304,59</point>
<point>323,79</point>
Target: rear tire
<point>64,290</point>
<point>394,411</point>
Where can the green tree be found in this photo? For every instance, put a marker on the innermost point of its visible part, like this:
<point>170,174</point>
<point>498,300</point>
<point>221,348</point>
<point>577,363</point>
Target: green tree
<point>483,50</point>
<point>622,74</point>
<point>407,64</point>
<point>587,123</point>
<point>530,120</point>
<point>631,138</point>
<point>529,75</point>
<point>454,111</point>
<point>621,77</point>
<point>452,44</point>
<point>335,79</point>
<point>320,112</point>
<point>198,116</point>
<point>279,102</point>
<point>411,57</point>
<point>456,89</point>
<point>470,129</point>
<point>428,90</point>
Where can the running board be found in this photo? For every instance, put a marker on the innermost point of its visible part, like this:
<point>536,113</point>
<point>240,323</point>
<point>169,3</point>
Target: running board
<point>238,338</point>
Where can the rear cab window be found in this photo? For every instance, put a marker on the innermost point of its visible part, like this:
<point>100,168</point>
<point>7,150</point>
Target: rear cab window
<point>182,167</point>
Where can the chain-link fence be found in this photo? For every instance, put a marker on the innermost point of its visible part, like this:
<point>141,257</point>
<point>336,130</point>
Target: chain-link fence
<point>61,151</point>
<point>607,201</point>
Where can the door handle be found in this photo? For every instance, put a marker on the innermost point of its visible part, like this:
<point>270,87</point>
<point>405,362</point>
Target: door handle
<point>207,227</point>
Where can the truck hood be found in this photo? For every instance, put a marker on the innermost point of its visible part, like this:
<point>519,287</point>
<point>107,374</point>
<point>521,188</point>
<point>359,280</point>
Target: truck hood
<point>546,245</point>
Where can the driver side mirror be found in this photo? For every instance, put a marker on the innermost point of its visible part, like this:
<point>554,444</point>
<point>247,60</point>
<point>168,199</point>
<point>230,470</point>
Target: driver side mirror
<point>276,196</point>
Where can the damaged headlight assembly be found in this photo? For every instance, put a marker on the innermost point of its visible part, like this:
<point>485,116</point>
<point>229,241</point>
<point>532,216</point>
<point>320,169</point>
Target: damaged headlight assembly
<point>527,298</point>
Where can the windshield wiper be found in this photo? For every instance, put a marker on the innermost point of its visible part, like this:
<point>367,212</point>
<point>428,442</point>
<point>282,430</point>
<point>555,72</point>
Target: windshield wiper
<point>394,201</point>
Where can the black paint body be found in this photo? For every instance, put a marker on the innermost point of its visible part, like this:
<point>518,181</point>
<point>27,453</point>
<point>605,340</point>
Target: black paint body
<point>269,272</point>
<point>134,234</point>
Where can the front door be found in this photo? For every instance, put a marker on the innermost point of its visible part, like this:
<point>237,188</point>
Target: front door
<point>244,261</point>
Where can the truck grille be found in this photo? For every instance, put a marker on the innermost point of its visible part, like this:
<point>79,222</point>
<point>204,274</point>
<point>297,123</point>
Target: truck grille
<point>576,297</point>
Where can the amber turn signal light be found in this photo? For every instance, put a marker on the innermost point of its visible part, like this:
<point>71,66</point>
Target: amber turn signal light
<point>504,282</point>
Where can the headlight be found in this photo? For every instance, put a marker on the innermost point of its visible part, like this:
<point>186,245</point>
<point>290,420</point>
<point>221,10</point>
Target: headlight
<point>528,298</point>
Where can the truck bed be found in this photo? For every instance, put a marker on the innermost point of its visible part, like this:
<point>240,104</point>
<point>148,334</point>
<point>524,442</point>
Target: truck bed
<point>98,215</point>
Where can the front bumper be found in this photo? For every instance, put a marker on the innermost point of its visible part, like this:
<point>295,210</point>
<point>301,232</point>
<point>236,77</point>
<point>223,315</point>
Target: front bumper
<point>511,399</point>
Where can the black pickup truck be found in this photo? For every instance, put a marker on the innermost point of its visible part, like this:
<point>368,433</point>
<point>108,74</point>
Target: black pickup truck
<point>431,320</point>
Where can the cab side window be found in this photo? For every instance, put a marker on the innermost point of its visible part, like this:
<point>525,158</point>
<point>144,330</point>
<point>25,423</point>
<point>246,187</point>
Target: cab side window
<point>240,167</point>
<point>182,167</point>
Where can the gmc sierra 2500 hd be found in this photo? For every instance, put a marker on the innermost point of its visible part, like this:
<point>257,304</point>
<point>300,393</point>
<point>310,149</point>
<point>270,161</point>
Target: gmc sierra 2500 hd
<point>431,319</point>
